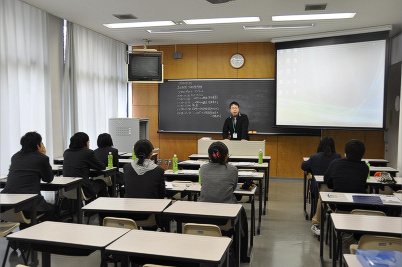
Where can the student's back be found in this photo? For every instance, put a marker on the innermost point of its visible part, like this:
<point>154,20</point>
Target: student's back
<point>318,163</point>
<point>218,183</point>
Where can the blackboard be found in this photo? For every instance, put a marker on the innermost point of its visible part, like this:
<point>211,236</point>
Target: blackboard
<point>202,105</point>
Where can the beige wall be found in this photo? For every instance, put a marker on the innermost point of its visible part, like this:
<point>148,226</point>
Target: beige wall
<point>212,61</point>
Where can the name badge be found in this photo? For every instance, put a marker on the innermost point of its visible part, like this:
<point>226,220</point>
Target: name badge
<point>234,135</point>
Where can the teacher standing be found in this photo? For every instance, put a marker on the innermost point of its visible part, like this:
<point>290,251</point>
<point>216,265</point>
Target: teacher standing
<point>236,126</point>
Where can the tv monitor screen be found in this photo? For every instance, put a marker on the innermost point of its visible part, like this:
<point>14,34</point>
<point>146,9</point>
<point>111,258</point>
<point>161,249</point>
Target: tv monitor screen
<point>338,85</point>
<point>144,67</point>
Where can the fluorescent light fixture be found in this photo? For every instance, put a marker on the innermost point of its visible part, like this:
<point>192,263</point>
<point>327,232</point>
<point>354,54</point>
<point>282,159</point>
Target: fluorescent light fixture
<point>331,34</point>
<point>273,27</point>
<point>180,30</point>
<point>221,20</point>
<point>314,16</point>
<point>139,24</point>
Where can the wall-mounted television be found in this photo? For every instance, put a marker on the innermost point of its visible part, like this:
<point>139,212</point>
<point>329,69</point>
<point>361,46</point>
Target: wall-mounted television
<point>145,67</point>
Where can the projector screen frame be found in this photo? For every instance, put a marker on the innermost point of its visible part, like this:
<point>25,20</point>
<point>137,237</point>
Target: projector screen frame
<point>355,38</point>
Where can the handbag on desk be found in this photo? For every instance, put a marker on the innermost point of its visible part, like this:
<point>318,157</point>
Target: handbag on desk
<point>386,178</point>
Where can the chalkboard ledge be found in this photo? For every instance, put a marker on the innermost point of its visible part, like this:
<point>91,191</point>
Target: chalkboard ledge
<point>258,133</point>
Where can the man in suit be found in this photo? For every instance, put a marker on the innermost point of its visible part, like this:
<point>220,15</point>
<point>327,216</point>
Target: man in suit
<point>236,126</point>
<point>28,167</point>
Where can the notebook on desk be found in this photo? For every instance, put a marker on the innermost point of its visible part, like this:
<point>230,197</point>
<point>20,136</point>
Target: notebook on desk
<point>374,200</point>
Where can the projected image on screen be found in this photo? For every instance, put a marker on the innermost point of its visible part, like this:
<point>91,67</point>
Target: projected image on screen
<point>339,85</point>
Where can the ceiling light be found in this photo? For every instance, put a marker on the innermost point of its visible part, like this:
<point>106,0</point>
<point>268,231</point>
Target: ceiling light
<point>273,27</point>
<point>221,20</point>
<point>331,34</point>
<point>314,16</point>
<point>139,24</point>
<point>181,30</point>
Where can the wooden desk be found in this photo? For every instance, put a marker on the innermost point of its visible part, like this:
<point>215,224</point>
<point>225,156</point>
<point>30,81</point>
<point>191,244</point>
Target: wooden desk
<point>58,183</point>
<point>240,158</point>
<point>346,199</point>
<point>149,246</point>
<point>362,224</point>
<point>193,176</point>
<point>373,162</point>
<point>188,211</point>
<point>106,205</point>
<point>68,235</point>
<point>195,164</point>
<point>21,202</point>
<point>352,260</point>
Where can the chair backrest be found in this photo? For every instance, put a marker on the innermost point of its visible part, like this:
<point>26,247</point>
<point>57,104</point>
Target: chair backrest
<point>202,229</point>
<point>12,216</point>
<point>149,222</point>
<point>120,223</point>
<point>7,227</point>
<point>380,242</point>
<point>71,194</point>
<point>368,212</point>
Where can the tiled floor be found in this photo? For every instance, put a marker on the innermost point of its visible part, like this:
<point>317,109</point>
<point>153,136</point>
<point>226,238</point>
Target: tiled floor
<point>285,240</point>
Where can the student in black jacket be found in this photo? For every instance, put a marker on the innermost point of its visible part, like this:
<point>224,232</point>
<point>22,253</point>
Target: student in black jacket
<point>348,175</point>
<point>143,178</point>
<point>105,145</point>
<point>28,167</point>
<point>78,160</point>
<point>236,126</point>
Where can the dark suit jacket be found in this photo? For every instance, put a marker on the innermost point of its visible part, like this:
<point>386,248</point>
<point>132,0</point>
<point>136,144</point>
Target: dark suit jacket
<point>77,163</point>
<point>318,163</point>
<point>26,171</point>
<point>103,152</point>
<point>241,128</point>
<point>149,185</point>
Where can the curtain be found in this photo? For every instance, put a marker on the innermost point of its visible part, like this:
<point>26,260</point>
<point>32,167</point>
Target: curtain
<point>25,95</point>
<point>95,85</point>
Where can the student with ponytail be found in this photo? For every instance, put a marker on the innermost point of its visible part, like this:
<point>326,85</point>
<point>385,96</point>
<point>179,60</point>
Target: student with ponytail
<point>218,182</point>
<point>143,178</point>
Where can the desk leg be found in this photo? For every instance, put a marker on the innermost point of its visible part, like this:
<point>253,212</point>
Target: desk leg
<point>124,261</point>
<point>79,203</point>
<point>259,209</point>
<point>237,239</point>
<point>266,188</point>
<point>322,231</point>
<point>252,231</point>
<point>305,195</point>
<point>33,222</point>
<point>114,194</point>
<point>46,259</point>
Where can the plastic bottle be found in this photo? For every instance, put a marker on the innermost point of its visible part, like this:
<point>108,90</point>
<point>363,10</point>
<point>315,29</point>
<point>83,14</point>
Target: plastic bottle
<point>134,157</point>
<point>260,157</point>
<point>110,160</point>
<point>199,177</point>
<point>368,165</point>
<point>175,163</point>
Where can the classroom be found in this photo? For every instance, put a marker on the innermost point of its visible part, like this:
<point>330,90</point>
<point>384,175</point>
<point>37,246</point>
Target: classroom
<point>64,70</point>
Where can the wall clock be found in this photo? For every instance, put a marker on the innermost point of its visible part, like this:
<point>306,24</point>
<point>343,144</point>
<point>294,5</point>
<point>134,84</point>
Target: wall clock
<point>237,61</point>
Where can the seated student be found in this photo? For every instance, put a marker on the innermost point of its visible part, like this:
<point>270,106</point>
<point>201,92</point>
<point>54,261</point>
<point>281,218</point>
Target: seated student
<point>143,178</point>
<point>105,145</point>
<point>219,181</point>
<point>78,160</point>
<point>347,175</point>
<point>318,163</point>
<point>28,167</point>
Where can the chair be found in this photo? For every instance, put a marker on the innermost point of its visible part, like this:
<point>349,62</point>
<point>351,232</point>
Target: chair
<point>380,243</point>
<point>353,247</point>
<point>202,229</point>
<point>71,194</point>
<point>5,229</point>
<point>120,223</point>
<point>107,179</point>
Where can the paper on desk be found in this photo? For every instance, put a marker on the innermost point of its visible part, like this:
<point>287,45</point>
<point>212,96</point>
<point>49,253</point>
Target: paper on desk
<point>187,172</point>
<point>242,163</point>
<point>168,185</point>
<point>390,199</point>
<point>248,174</point>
